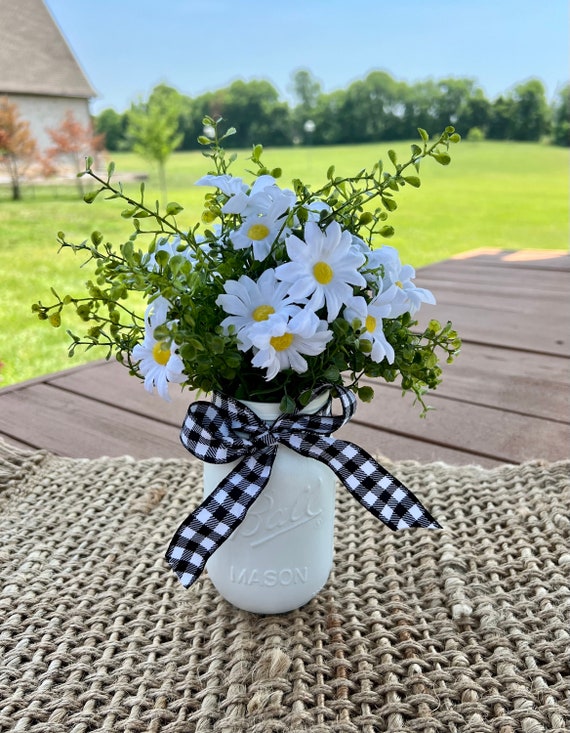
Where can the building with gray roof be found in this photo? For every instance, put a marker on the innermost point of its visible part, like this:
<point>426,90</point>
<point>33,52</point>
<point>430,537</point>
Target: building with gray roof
<point>38,70</point>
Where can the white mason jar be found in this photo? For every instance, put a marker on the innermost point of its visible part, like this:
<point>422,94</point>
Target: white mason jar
<point>281,555</point>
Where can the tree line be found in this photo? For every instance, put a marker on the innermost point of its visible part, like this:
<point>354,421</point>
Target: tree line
<point>372,109</point>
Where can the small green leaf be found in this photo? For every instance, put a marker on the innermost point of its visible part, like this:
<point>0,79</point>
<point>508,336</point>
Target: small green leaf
<point>442,158</point>
<point>305,397</point>
<point>287,405</point>
<point>413,181</point>
<point>90,196</point>
<point>390,204</point>
<point>162,258</point>
<point>366,394</point>
<point>423,134</point>
<point>173,208</point>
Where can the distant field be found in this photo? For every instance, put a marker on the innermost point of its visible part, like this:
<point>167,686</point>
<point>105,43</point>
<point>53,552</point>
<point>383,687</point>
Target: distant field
<point>508,195</point>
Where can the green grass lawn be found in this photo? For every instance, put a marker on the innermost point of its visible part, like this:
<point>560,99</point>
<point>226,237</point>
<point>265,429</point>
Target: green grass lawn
<point>508,195</point>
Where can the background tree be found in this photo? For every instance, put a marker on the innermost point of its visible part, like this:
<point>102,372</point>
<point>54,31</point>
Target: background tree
<point>561,118</point>
<point>306,92</point>
<point>113,125</point>
<point>420,106</point>
<point>72,143</point>
<point>18,148</point>
<point>531,112</point>
<point>153,128</point>
<point>501,119</point>
<point>254,109</point>
<point>476,114</point>
<point>373,109</point>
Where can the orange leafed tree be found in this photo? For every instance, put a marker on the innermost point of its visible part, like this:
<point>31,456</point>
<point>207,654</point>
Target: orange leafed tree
<point>72,143</point>
<point>18,147</point>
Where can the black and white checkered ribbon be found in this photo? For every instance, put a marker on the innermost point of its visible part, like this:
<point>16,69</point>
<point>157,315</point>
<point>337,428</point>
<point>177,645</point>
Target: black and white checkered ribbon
<point>225,430</point>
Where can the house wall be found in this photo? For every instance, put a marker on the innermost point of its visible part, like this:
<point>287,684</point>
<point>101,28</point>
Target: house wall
<point>48,112</point>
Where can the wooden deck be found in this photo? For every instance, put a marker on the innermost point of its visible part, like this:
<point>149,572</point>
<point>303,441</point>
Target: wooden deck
<point>506,399</point>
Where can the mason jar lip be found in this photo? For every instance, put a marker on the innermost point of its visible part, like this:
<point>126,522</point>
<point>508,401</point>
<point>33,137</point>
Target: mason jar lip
<point>271,411</point>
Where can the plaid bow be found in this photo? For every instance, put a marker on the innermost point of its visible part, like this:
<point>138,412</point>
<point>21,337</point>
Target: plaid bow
<point>225,430</point>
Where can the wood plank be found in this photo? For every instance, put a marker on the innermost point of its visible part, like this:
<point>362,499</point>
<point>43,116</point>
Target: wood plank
<point>536,259</point>
<point>77,426</point>
<point>73,425</point>
<point>534,385</point>
<point>17,443</point>
<point>506,308</point>
<point>111,383</point>
<point>527,383</point>
<point>528,328</point>
<point>117,387</point>
<point>468,427</point>
<point>383,444</point>
<point>523,282</point>
<point>506,398</point>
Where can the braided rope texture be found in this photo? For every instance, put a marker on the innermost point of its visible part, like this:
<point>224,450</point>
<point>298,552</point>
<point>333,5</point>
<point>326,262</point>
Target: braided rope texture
<point>465,630</point>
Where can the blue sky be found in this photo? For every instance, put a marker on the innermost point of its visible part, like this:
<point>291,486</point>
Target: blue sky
<point>126,47</point>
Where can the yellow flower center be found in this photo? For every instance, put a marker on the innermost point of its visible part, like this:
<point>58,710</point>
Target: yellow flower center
<point>257,232</point>
<point>399,283</point>
<point>370,324</point>
<point>262,312</point>
<point>161,352</point>
<point>281,343</point>
<point>323,273</point>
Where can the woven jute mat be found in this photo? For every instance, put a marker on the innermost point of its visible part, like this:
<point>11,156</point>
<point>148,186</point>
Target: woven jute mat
<point>465,629</point>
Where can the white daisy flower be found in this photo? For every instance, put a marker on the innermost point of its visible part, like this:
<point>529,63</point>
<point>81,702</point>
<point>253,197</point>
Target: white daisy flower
<point>388,258</point>
<point>262,218</point>
<point>410,297</point>
<point>282,343</point>
<point>370,316</point>
<point>371,269</point>
<point>157,312</point>
<point>227,184</point>
<point>323,267</point>
<point>414,296</point>
<point>248,201</point>
<point>159,364</point>
<point>249,303</point>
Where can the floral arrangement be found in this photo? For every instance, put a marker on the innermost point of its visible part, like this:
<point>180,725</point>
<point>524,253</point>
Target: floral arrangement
<point>273,293</point>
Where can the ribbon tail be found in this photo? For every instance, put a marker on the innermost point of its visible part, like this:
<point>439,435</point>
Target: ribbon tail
<point>218,516</point>
<point>369,483</point>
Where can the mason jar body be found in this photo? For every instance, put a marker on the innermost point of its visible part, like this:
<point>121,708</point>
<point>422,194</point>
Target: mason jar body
<point>281,555</point>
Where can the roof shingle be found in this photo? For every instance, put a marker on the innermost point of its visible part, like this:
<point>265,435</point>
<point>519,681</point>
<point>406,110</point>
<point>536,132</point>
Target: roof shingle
<point>35,58</point>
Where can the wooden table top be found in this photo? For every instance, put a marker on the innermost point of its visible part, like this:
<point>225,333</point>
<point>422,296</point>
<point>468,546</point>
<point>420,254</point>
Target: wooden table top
<point>505,400</point>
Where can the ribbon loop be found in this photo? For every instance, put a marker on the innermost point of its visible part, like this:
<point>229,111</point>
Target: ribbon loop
<point>225,430</point>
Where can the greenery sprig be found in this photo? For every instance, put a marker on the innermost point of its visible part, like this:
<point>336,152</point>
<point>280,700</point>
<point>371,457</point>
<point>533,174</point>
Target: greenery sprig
<point>326,304</point>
